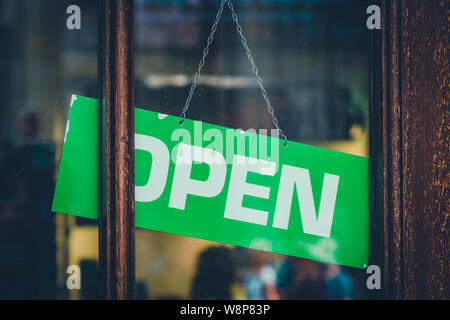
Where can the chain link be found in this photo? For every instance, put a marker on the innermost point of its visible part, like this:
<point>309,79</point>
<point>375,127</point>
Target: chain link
<point>250,58</point>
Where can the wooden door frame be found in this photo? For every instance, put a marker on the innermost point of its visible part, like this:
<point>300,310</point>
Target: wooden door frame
<point>116,107</point>
<point>409,149</point>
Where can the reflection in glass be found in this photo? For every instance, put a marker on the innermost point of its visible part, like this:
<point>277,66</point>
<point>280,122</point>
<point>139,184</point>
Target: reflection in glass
<point>41,64</point>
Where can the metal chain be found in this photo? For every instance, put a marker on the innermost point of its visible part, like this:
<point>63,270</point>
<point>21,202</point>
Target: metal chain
<point>202,61</point>
<point>250,58</point>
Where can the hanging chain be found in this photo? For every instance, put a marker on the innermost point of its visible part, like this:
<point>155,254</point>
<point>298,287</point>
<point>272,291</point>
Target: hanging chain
<point>202,61</point>
<point>250,58</point>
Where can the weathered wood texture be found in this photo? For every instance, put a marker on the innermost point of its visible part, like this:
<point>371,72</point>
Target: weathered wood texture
<point>118,228</point>
<point>393,239</point>
<point>415,147</point>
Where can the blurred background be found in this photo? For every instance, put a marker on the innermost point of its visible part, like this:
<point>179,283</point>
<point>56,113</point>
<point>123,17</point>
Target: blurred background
<point>313,57</point>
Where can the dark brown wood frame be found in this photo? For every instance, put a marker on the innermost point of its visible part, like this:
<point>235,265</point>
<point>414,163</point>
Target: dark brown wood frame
<point>116,83</point>
<point>409,144</point>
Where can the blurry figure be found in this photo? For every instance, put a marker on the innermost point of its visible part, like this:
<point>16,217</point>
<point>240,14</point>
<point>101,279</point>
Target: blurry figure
<point>215,274</point>
<point>301,279</point>
<point>141,290</point>
<point>90,288</point>
<point>27,227</point>
<point>260,279</point>
<point>338,283</point>
<point>306,279</point>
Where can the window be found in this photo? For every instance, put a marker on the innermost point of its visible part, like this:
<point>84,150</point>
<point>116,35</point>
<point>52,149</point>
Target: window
<point>313,58</point>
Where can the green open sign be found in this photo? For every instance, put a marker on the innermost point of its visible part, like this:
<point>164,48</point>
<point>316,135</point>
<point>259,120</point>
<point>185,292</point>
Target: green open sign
<point>226,185</point>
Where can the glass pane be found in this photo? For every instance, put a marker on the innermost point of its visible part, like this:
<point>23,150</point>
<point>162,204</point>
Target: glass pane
<point>42,63</point>
<point>313,57</point>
